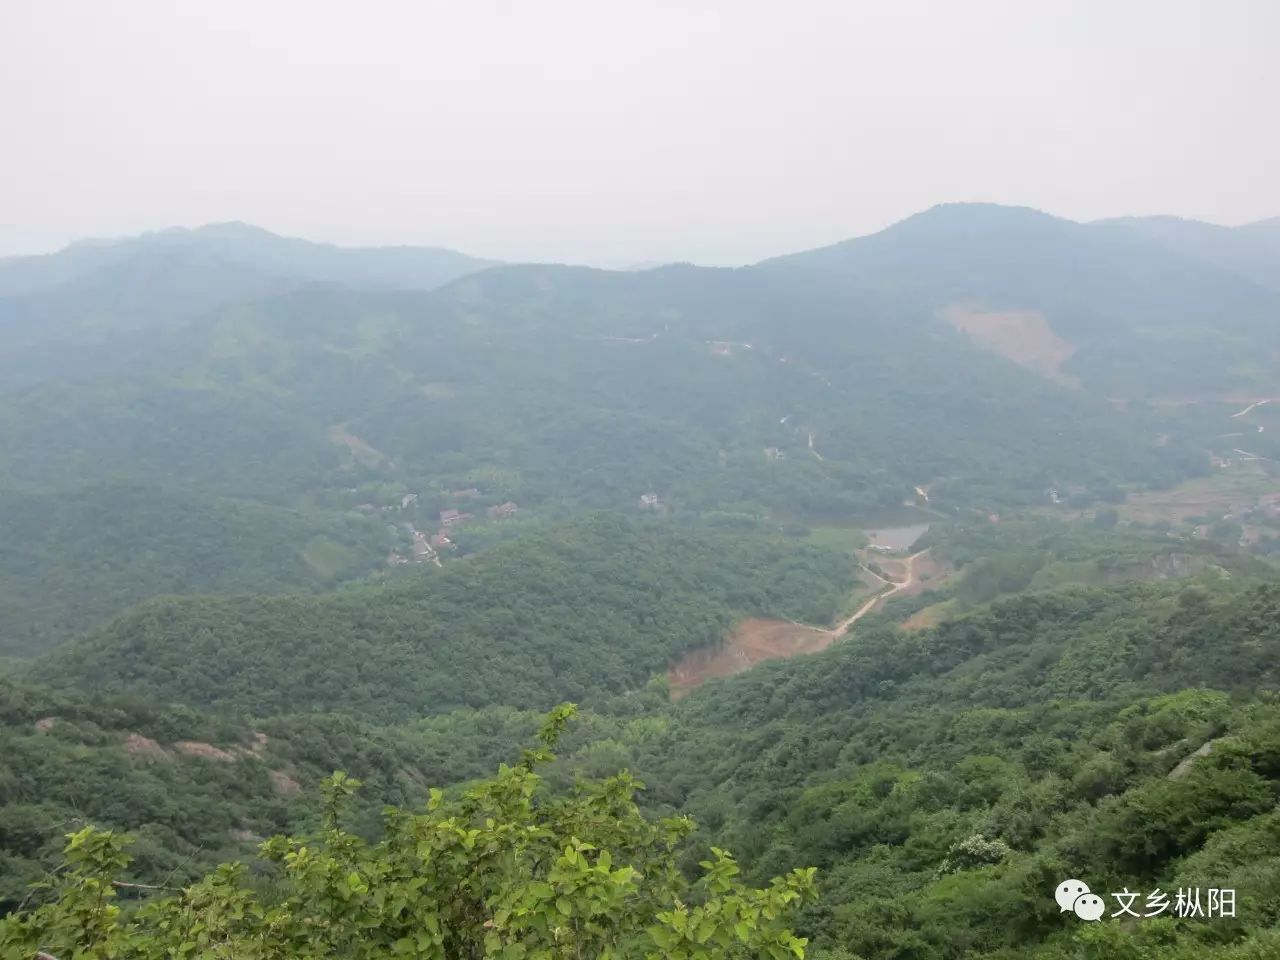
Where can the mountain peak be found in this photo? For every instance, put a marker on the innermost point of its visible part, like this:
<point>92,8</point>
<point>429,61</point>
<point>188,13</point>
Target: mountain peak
<point>945,224</point>
<point>969,215</point>
<point>234,229</point>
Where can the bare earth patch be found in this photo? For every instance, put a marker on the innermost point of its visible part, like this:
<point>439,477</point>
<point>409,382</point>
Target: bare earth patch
<point>135,744</point>
<point>755,640</point>
<point>931,571</point>
<point>1184,767</point>
<point>751,642</point>
<point>894,569</point>
<point>1023,336</point>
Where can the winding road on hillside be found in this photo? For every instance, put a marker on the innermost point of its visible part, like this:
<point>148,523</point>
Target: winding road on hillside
<point>895,587</point>
<point>1251,407</point>
<point>756,640</point>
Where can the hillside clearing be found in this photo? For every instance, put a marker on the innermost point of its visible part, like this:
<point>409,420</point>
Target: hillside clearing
<point>1023,336</point>
<point>756,639</point>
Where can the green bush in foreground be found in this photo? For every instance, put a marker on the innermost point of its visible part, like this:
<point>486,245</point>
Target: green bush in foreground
<point>504,871</point>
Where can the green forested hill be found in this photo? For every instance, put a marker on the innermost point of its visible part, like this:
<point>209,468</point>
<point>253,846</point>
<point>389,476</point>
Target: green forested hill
<point>846,342</point>
<point>1042,553</point>
<point>1146,312</point>
<point>96,307</point>
<point>944,782</point>
<point>151,432</point>
<point>288,258</point>
<point>1247,251</point>
<point>709,367</point>
<point>593,608</point>
<point>194,789</point>
<point>70,560</point>
<point>194,415</point>
<point>597,606</point>
<point>822,385</point>
<point>858,395</point>
<point>835,405</point>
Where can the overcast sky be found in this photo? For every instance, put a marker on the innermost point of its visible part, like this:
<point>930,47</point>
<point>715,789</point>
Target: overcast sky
<point>608,132</point>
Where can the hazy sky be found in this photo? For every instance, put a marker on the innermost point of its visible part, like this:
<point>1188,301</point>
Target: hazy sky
<point>610,132</point>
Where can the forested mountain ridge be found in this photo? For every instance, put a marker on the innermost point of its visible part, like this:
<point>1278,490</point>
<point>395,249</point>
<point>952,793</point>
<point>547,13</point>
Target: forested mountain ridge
<point>288,258</point>
<point>1108,288</point>
<point>93,308</point>
<point>1247,250</point>
<point>195,789</point>
<point>410,375</point>
<point>593,608</point>
<point>70,560</point>
<point>943,782</point>
<point>824,384</point>
<point>615,469</point>
<point>1142,311</point>
<point>844,345</point>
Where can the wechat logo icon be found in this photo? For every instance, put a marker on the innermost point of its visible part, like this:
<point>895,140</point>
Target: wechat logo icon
<point>1075,896</point>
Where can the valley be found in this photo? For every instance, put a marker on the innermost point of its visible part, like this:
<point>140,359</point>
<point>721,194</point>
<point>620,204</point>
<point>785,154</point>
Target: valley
<point>624,481</point>
<point>386,512</point>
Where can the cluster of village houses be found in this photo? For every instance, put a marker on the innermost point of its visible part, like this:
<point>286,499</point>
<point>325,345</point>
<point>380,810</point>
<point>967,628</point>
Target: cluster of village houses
<point>427,547</point>
<point>452,518</point>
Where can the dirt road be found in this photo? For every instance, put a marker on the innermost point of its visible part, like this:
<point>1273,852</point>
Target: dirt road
<point>894,587</point>
<point>756,640</point>
<point>1250,407</point>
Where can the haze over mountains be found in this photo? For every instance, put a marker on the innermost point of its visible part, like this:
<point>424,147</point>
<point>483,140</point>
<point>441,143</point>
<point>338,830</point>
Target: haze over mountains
<point>269,508</point>
<point>245,245</point>
<point>1134,307</point>
<point>88,308</point>
<point>971,345</point>
<point>1248,250</point>
<point>653,526</point>
<point>1103,287</point>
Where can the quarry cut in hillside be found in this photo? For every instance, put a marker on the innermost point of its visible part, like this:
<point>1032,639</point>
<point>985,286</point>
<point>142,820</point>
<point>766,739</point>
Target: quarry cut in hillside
<point>1023,336</point>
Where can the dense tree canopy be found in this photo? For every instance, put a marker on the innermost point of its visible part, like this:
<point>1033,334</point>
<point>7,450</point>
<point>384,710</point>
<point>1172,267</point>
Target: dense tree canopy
<point>211,468</point>
<point>595,606</point>
<point>69,561</point>
<point>503,870</point>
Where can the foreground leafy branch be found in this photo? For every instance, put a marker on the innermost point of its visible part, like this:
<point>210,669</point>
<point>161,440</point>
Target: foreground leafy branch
<point>505,870</point>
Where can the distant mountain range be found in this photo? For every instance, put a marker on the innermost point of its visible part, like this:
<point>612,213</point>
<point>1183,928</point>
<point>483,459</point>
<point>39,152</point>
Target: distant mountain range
<point>247,246</point>
<point>223,455</point>
<point>87,308</point>
<point>1251,251</point>
<point>999,351</point>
